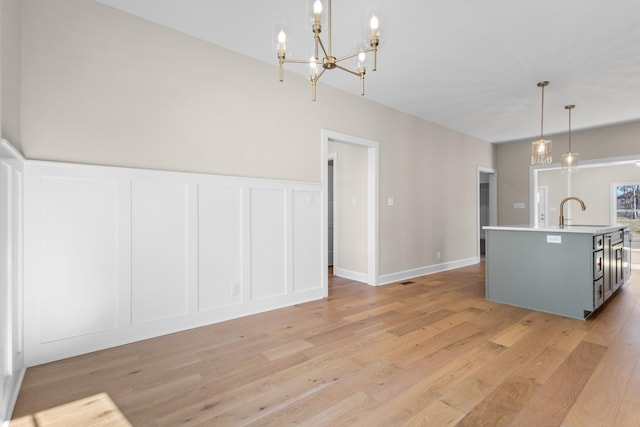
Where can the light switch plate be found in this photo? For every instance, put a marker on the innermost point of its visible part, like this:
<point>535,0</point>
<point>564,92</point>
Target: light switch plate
<point>518,205</point>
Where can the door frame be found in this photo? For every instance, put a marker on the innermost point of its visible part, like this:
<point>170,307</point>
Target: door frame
<point>373,182</point>
<point>542,190</point>
<point>493,200</point>
<point>335,250</point>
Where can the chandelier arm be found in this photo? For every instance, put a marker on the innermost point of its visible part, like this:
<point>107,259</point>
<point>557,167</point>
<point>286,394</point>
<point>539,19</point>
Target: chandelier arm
<point>322,46</point>
<point>303,61</point>
<point>329,35</point>
<point>347,70</point>
<point>352,55</point>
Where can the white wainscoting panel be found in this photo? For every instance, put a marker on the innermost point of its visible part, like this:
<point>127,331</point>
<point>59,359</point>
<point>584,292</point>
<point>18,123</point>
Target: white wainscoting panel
<point>116,255</point>
<point>12,366</point>
<point>159,250</point>
<point>268,256</point>
<point>307,238</point>
<point>219,246</point>
<point>79,255</point>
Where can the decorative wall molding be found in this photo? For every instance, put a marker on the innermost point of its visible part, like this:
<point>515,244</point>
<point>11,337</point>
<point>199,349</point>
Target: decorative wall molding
<point>116,255</point>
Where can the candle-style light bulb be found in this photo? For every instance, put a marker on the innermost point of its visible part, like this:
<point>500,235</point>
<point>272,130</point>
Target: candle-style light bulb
<point>374,24</point>
<point>317,10</point>
<point>312,66</point>
<point>282,38</point>
<point>361,58</point>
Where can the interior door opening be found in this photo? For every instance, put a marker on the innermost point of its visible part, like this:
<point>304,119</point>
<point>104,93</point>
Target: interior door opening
<point>487,204</point>
<point>331,170</point>
<point>366,271</point>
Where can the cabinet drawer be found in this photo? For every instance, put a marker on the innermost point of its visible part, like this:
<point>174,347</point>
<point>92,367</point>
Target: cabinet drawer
<point>598,292</point>
<point>616,236</point>
<point>598,264</point>
<point>598,242</point>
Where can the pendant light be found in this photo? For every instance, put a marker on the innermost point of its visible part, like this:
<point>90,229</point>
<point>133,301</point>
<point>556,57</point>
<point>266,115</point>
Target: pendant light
<point>569,159</point>
<point>541,149</point>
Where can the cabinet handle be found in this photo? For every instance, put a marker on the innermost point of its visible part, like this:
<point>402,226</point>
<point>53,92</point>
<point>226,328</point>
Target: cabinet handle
<point>618,253</point>
<point>599,263</point>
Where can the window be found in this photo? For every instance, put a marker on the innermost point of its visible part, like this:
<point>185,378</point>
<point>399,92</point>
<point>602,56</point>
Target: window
<point>627,206</point>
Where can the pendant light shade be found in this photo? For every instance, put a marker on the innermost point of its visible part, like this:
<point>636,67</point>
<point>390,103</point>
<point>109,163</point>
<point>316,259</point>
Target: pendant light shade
<point>541,149</point>
<point>570,159</point>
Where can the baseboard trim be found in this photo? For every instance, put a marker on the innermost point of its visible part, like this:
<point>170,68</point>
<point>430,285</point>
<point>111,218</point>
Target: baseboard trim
<point>14,388</point>
<point>424,271</point>
<point>351,275</point>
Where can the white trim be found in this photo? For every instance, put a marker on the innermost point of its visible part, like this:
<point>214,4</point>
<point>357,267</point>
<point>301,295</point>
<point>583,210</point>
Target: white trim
<point>336,226</point>
<point>351,275</point>
<point>15,383</point>
<point>424,271</point>
<point>540,190</point>
<point>373,180</point>
<point>11,321</point>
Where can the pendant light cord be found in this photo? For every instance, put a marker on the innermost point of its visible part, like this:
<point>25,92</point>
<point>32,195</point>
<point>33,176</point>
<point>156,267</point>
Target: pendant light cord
<point>569,107</point>
<point>542,85</point>
<point>542,114</point>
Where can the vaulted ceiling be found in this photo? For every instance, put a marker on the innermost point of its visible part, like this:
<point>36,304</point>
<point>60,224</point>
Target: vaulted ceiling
<point>469,65</point>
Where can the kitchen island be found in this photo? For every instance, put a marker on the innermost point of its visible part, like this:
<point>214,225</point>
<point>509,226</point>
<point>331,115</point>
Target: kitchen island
<point>566,270</point>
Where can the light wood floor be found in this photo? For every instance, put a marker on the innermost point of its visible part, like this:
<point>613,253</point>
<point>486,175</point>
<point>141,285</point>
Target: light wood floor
<point>430,353</point>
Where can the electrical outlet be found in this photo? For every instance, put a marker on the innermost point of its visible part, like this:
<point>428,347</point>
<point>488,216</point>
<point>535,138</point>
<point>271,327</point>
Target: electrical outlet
<point>438,255</point>
<point>235,289</point>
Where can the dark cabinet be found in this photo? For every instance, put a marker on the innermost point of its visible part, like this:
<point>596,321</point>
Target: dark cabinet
<point>598,292</point>
<point>610,270</point>
<point>626,255</point>
<point>598,273</point>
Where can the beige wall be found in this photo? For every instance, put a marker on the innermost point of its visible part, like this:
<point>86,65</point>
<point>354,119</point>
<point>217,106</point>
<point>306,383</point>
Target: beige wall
<point>10,70</point>
<point>513,163</point>
<point>103,87</point>
<point>350,206</point>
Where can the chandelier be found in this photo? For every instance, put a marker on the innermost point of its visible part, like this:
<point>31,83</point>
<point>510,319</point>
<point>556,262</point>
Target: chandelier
<point>328,61</point>
<point>541,149</point>
<point>569,159</point>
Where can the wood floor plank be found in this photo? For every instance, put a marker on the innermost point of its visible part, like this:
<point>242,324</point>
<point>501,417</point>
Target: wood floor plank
<point>501,406</point>
<point>556,398</point>
<point>434,352</point>
<point>436,414</point>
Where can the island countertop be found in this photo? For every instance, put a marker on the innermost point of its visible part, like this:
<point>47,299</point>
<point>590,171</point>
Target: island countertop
<point>570,270</point>
<point>585,229</point>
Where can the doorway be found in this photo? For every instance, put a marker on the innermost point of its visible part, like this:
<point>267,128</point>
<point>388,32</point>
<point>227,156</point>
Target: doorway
<point>487,204</point>
<point>330,208</point>
<point>369,276</point>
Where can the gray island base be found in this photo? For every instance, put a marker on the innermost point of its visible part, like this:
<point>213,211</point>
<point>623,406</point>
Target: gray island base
<point>569,271</point>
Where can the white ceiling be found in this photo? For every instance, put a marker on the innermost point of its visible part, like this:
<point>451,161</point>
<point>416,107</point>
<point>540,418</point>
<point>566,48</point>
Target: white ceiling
<point>470,65</point>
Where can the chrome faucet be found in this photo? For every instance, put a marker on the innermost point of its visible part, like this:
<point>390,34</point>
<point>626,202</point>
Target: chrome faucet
<point>566,199</point>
